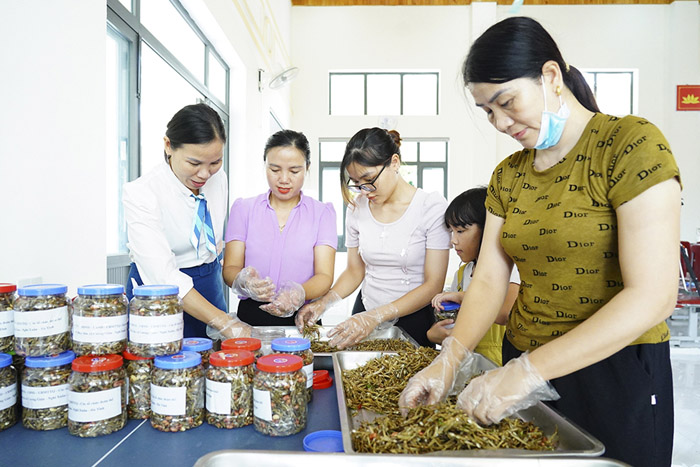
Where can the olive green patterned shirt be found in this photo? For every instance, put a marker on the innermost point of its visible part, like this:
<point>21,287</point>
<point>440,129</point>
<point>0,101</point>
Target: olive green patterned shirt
<point>561,227</point>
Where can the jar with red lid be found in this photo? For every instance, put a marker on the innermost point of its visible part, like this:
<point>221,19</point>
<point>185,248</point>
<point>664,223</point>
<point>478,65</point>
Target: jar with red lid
<point>96,396</point>
<point>229,389</point>
<point>7,320</point>
<point>279,395</point>
<point>301,347</point>
<point>251,344</point>
<point>138,383</point>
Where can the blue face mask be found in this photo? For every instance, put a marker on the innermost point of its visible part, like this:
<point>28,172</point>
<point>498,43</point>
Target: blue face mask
<point>552,124</point>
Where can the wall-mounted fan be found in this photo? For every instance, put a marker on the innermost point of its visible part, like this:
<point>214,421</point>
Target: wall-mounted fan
<point>279,79</point>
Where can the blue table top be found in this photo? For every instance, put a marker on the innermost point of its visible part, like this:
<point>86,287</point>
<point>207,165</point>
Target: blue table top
<point>140,444</point>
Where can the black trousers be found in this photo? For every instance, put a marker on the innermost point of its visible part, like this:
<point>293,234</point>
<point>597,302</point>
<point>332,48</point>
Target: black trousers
<point>626,401</point>
<point>249,312</point>
<point>416,324</point>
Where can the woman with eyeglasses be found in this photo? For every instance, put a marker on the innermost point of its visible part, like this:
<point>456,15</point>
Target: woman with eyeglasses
<point>397,245</point>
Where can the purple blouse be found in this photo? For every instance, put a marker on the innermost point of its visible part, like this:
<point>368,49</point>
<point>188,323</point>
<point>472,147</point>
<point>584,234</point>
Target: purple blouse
<point>287,255</point>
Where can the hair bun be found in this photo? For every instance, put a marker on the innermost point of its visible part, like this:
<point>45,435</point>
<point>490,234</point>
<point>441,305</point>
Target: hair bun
<point>395,136</point>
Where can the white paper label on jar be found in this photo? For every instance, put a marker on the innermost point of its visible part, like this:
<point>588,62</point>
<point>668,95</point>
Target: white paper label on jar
<point>168,401</point>
<point>8,396</point>
<point>94,406</point>
<point>309,371</point>
<point>262,405</point>
<point>156,329</point>
<point>41,323</point>
<point>96,329</point>
<point>7,323</point>
<point>218,397</point>
<point>44,397</point>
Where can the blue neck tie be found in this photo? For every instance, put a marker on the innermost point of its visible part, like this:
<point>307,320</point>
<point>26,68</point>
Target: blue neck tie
<point>202,221</point>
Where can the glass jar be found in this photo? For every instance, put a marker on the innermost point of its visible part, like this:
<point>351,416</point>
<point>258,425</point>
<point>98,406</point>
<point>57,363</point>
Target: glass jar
<point>229,389</point>
<point>138,383</point>
<point>42,322</point>
<point>99,320</point>
<point>45,391</point>
<point>201,345</point>
<point>279,395</point>
<point>266,334</point>
<point>8,392</point>
<point>250,344</point>
<point>177,392</point>
<point>7,320</point>
<point>156,322</point>
<point>96,396</point>
<point>449,311</point>
<point>301,347</point>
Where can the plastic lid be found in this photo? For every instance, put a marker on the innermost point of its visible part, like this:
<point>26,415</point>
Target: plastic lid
<point>101,289</point>
<point>184,359</point>
<point>197,344</point>
<point>5,287</point>
<point>155,290</point>
<point>324,441</point>
<point>322,380</point>
<point>39,290</point>
<point>93,363</point>
<point>63,358</point>
<point>450,306</point>
<point>290,344</point>
<point>5,360</point>
<point>129,356</point>
<point>241,343</point>
<point>231,358</point>
<point>280,363</point>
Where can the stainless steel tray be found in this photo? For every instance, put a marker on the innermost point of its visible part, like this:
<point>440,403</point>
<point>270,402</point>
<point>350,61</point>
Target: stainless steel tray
<point>228,458</point>
<point>573,441</point>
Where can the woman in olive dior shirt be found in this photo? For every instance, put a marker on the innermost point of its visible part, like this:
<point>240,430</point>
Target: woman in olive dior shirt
<point>589,212</point>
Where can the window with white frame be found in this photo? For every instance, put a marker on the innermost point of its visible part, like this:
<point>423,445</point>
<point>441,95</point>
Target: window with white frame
<point>614,90</point>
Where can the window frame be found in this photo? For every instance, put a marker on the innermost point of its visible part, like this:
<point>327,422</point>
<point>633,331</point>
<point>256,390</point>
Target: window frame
<point>634,73</point>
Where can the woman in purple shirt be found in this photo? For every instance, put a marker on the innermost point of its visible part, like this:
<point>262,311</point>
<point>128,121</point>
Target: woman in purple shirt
<point>280,245</point>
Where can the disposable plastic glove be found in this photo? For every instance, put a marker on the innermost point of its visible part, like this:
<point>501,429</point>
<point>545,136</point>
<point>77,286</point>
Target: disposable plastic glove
<point>501,392</point>
<point>249,284</point>
<point>227,327</point>
<point>288,299</point>
<point>446,297</point>
<point>312,311</point>
<point>357,327</point>
<point>434,383</point>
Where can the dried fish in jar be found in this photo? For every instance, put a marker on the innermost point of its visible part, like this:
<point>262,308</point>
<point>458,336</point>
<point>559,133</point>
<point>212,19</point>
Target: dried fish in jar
<point>156,321</point>
<point>138,383</point>
<point>301,347</point>
<point>96,396</point>
<point>279,395</point>
<point>7,320</point>
<point>202,345</point>
<point>449,311</point>
<point>250,344</point>
<point>177,392</point>
<point>42,321</point>
<point>99,320</point>
<point>45,391</point>
<point>229,389</point>
<point>8,392</point>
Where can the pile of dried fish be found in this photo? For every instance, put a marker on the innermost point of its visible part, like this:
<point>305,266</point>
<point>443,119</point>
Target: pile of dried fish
<point>372,345</point>
<point>376,386</point>
<point>444,427</point>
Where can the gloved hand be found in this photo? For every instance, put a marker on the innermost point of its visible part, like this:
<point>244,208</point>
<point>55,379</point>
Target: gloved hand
<point>249,284</point>
<point>288,299</point>
<point>446,297</point>
<point>312,311</point>
<point>433,383</point>
<point>501,392</point>
<point>227,327</point>
<point>439,331</point>
<point>357,327</point>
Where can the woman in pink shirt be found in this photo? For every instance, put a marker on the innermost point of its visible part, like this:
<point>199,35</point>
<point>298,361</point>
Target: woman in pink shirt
<point>280,245</point>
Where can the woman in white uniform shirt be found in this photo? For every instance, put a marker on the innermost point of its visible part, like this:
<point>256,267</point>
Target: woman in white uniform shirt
<point>175,221</point>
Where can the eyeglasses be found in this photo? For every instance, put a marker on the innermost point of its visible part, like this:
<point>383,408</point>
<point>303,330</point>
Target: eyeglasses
<point>369,186</point>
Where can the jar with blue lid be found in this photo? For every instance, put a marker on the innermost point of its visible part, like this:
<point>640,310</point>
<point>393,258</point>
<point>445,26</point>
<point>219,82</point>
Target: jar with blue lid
<point>449,311</point>
<point>301,347</point>
<point>177,392</point>
<point>99,320</point>
<point>7,317</point>
<point>45,391</point>
<point>42,320</point>
<point>8,392</point>
<point>156,321</point>
<point>202,345</point>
